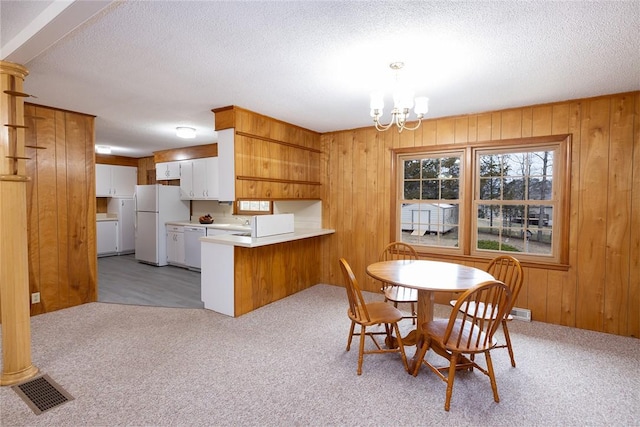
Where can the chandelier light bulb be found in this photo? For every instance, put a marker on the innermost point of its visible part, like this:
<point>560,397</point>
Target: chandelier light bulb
<point>377,101</point>
<point>422,105</point>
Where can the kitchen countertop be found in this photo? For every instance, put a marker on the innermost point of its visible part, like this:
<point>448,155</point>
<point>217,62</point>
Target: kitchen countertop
<point>221,226</point>
<point>106,217</point>
<point>253,242</point>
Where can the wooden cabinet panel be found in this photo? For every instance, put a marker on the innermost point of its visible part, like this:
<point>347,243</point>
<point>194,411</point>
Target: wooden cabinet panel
<point>273,159</point>
<point>268,273</point>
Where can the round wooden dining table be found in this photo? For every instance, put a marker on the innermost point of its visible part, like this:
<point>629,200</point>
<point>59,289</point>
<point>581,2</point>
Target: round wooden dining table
<point>428,277</point>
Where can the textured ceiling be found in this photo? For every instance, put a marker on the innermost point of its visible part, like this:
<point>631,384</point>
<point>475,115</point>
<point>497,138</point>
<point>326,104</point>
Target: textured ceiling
<point>145,67</point>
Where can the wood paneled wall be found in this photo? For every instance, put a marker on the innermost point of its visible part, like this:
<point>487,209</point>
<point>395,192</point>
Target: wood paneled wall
<point>110,159</point>
<point>186,153</point>
<point>273,159</point>
<point>61,208</point>
<point>146,171</point>
<point>601,289</point>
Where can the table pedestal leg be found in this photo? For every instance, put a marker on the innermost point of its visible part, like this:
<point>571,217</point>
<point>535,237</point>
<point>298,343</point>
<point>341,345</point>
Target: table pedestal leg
<point>425,314</point>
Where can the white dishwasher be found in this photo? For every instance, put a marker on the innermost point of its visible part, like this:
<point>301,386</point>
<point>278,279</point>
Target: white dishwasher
<point>192,237</point>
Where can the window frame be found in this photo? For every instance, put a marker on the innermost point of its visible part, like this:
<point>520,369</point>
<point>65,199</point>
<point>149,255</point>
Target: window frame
<point>469,181</point>
<point>437,152</point>
<point>239,211</point>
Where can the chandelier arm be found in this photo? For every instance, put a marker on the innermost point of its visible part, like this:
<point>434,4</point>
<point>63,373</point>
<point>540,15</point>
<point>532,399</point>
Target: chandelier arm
<point>380,127</point>
<point>415,127</point>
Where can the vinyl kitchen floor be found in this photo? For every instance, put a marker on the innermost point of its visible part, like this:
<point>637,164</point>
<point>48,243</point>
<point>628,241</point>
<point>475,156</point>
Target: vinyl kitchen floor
<point>123,280</point>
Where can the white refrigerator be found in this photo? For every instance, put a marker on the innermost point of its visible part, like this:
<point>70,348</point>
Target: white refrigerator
<point>125,210</point>
<point>155,205</point>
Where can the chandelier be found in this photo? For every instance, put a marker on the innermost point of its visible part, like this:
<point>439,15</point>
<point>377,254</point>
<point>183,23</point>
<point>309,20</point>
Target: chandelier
<point>403,101</point>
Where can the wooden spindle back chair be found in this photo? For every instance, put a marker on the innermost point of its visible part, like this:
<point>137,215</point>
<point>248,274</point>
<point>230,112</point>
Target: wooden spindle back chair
<point>370,314</point>
<point>468,331</point>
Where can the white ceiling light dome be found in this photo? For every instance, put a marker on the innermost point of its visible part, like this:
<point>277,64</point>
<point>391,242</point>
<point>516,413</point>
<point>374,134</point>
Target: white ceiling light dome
<point>185,132</point>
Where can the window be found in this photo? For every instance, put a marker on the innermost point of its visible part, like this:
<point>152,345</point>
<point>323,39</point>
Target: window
<point>430,200</point>
<point>254,207</point>
<point>487,198</point>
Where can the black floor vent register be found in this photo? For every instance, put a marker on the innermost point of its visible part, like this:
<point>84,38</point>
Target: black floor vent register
<point>42,394</point>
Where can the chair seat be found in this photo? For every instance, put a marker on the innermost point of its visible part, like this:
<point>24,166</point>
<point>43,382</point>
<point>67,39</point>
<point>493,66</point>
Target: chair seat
<point>380,312</point>
<point>400,294</point>
<point>436,330</point>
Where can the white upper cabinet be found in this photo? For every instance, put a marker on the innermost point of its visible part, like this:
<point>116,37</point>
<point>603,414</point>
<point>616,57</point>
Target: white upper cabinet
<point>199,179</point>
<point>115,181</point>
<point>167,170</point>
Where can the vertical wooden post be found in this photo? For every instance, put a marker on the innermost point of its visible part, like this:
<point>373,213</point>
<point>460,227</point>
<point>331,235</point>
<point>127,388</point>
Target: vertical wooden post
<point>14,268</point>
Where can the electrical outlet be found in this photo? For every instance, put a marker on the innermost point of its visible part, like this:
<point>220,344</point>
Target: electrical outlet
<point>35,298</point>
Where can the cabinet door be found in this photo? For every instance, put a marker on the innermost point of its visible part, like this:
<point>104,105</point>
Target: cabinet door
<point>167,170</point>
<point>211,178</point>
<point>173,170</point>
<point>161,171</point>
<point>123,180</point>
<point>180,253</point>
<point>199,178</point>
<point>107,237</point>
<point>186,180</point>
<point>171,247</point>
<point>175,248</point>
<point>103,181</point>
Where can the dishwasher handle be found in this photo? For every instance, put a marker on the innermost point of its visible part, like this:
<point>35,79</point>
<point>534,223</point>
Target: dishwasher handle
<point>200,230</point>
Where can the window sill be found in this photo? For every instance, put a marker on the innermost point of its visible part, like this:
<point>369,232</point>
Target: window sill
<point>469,258</point>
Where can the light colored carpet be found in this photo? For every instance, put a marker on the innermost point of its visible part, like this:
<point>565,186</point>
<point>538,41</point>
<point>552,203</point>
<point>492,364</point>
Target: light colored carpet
<point>286,364</point>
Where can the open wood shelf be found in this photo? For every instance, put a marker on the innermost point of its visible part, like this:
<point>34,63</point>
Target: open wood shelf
<point>16,93</point>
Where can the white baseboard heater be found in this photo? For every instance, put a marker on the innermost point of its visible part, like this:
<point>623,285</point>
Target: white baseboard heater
<point>521,314</point>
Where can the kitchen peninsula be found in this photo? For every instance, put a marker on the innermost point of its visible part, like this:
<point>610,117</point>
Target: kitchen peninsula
<point>242,273</point>
<point>265,159</point>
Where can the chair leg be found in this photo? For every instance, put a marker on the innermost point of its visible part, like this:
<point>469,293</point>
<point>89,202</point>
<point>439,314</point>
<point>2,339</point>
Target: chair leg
<point>492,376</point>
<point>401,347</point>
<point>450,378</point>
<point>353,325</point>
<point>421,352</point>
<point>363,335</point>
<point>413,312</point>
<point>507,338</point>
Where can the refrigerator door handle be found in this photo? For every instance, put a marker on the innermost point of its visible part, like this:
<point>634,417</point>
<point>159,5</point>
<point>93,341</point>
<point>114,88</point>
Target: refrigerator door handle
<point>135,209</point>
